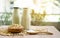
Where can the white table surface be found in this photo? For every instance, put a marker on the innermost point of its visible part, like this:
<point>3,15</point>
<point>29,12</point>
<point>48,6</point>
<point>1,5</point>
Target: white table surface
<point>56,33</point>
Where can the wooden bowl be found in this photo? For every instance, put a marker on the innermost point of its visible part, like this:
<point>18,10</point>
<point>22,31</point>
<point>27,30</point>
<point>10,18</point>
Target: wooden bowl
<point>15,28</point>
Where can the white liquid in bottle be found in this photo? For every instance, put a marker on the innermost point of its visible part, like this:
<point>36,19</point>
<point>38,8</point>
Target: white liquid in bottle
<point>26,19</point>
<point>15,17</point>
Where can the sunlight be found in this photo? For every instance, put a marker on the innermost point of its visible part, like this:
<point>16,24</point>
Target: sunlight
<point>23,3</point>
<point>51,18</point>
<point>39,6</point>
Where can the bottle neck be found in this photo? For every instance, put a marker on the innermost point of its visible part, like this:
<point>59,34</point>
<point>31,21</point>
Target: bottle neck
<point>16,10</point>
<point>25,10</point>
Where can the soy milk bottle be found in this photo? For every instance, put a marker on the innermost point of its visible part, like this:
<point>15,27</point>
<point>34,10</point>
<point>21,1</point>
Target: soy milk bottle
<point>26,19</point>
<point>15,17</point>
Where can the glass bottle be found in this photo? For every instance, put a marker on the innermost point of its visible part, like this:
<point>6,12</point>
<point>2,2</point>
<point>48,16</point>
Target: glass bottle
<point>15,18</point>
<point>26,19</point>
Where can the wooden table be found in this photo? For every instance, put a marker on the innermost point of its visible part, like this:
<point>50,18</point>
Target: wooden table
<point>56,33</point>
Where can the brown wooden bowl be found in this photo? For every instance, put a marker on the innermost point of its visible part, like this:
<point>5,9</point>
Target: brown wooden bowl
<point>15,29</point>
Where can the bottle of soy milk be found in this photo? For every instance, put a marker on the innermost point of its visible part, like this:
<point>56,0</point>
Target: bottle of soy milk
<point>15,17</point>
<point>26,19</point>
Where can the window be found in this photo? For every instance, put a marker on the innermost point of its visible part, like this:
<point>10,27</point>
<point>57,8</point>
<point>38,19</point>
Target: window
<point>5,12</point>
<point>52,8</point>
